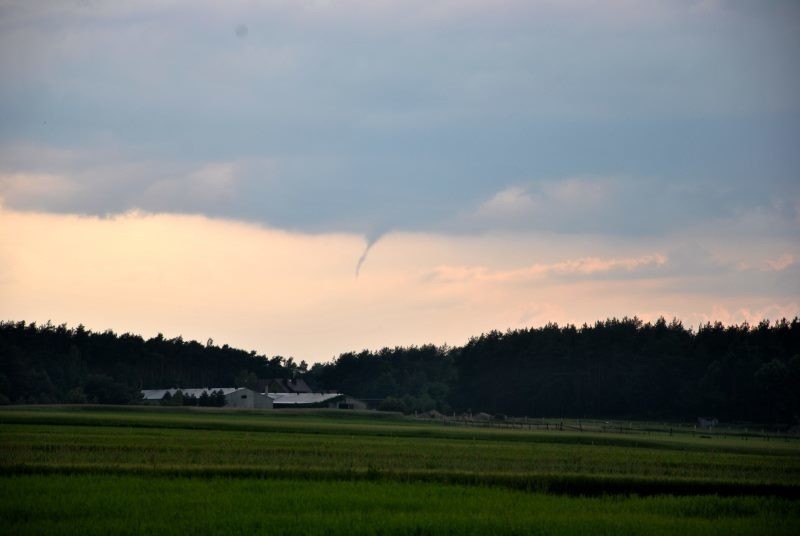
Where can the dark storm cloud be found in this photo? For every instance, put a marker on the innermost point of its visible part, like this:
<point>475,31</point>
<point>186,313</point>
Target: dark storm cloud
<point>371,118</point>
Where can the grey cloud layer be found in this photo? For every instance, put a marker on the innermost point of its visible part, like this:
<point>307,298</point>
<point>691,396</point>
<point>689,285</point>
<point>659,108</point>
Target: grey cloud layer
<point>370,117</point>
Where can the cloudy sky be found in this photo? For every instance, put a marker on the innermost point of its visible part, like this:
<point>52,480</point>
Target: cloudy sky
<point>310,177</point>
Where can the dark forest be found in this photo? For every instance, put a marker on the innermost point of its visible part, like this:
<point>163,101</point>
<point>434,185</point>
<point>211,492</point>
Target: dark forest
<point>622,368</point>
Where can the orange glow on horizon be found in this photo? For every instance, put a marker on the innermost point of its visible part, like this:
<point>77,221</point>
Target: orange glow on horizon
<point>295,294</point>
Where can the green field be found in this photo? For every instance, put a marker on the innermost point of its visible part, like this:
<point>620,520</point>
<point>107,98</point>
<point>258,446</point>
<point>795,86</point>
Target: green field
<point>130,470</point>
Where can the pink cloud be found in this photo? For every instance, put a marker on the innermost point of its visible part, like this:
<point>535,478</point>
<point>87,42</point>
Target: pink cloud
<point>778,265</point>
<point>584,266</point>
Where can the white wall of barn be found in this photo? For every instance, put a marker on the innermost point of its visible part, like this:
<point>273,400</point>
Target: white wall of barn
<point>248,399</point>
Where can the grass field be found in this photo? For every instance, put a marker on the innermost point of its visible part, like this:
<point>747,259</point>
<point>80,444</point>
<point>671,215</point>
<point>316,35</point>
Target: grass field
<point>127,470</point>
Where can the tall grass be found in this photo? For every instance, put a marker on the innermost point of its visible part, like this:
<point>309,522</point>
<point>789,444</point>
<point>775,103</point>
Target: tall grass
<point>103,504</point>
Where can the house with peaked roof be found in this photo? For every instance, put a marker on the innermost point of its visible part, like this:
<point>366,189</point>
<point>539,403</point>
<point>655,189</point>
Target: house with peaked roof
<point>283,385</point>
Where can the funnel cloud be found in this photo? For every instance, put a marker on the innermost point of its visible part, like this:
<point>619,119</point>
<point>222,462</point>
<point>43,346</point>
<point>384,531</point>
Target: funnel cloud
<point>371,241</point>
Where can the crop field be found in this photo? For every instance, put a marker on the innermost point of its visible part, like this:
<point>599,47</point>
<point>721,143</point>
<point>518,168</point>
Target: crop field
<point>129,470</point>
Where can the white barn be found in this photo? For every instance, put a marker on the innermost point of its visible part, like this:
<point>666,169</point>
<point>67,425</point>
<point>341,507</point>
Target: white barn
<point>235,397</point>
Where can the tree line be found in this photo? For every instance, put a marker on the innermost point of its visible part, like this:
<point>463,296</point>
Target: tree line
<point>216,399</point>
<point>613,368</point>
<point>41,364</point>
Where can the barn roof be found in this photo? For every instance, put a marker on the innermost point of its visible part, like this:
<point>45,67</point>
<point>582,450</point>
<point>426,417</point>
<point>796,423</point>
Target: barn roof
<point>301,399</point>
<point>280,399</point>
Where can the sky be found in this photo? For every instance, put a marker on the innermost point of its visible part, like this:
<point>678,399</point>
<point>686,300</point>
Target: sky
<point>305,178</point>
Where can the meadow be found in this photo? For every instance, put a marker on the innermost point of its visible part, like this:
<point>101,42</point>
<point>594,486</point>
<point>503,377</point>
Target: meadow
<point>127,470</point>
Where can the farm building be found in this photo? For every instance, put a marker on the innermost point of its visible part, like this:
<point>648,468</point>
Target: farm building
<point>242,397</point>
<point>235,397</point>
<point>315,400</point>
